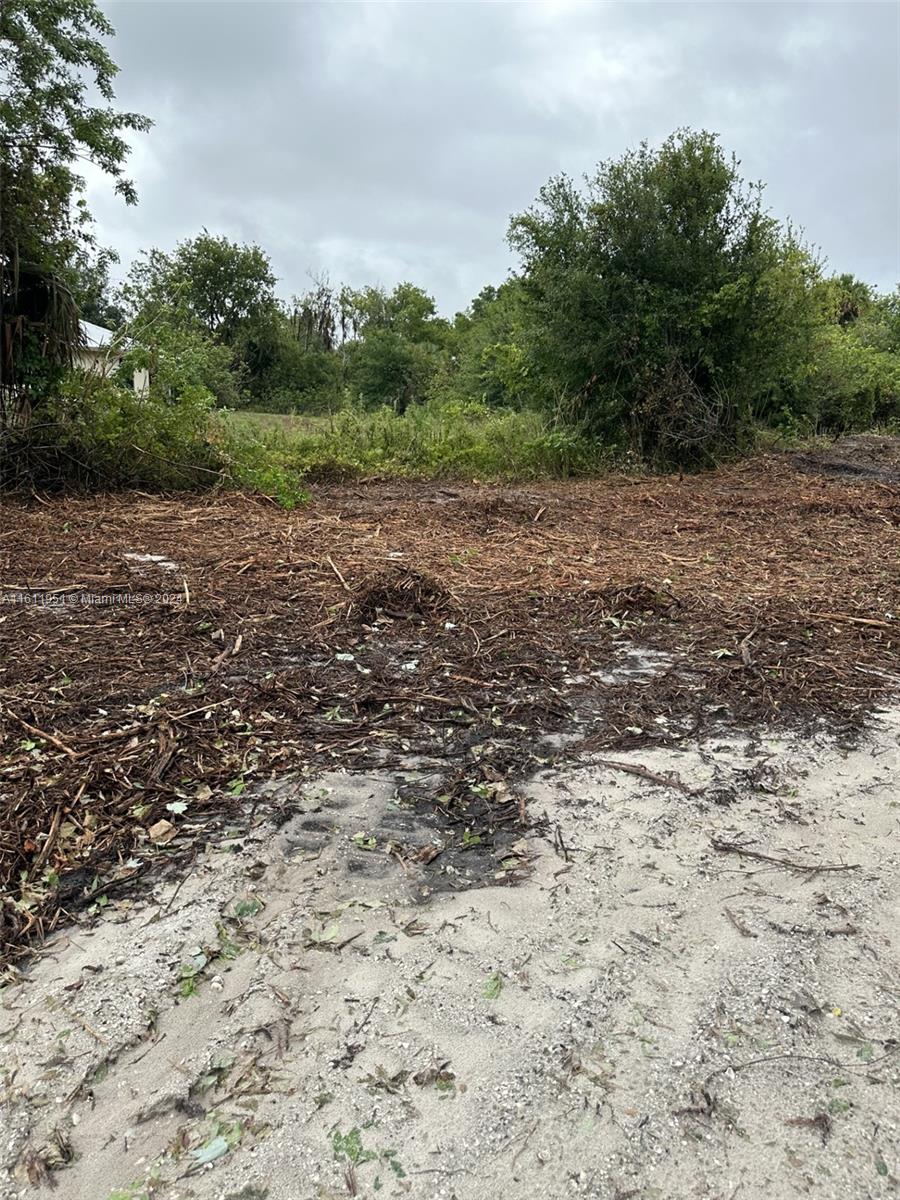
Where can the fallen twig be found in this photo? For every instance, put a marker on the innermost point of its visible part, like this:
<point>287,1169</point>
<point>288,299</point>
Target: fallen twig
<point>790,864</point>
<point>344,584</point>
<point>47,737</point>
<point>671,781</point>
<point>739,925</point>
<point>854,620</point>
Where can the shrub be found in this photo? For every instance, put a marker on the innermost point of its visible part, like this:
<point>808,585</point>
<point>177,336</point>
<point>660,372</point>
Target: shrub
<point>664,300</point>
<point>851,386</point>
<point>95,433</point>
<point>179,357</point>
<point>257,464</point>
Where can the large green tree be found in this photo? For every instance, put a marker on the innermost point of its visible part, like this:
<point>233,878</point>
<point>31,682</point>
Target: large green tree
<point>219,285</point>
<point>214,290</point>
<point>395,344</point>
<point>56,111</point>
<point>666,301</point>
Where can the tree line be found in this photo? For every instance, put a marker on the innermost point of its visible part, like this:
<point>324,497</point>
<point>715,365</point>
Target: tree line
<point>660,306</point>
<point>657,305</point>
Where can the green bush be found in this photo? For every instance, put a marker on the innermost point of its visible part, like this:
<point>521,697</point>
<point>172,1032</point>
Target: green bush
<point>257,463</point>
<point>283,376</point>
<point>851,386</point>
<point>180,357</point>
<point>95,433</point>
<point>663,299</point>
<point>488,360</point>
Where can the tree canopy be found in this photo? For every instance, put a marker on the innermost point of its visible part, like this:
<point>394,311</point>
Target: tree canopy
<point>658,307</point>
<point>53,60</point>
<point>54,64</point>
<point>210,281</point>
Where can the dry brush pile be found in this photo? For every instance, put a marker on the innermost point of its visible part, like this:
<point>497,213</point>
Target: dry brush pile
<point>393,618</point>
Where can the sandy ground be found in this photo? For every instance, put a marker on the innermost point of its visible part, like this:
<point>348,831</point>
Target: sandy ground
<point>642,1015</point>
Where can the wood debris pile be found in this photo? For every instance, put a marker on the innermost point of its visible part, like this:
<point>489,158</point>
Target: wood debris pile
<point>162,655</point>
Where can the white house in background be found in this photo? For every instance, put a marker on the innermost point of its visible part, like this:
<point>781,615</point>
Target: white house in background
<point>100,354</point>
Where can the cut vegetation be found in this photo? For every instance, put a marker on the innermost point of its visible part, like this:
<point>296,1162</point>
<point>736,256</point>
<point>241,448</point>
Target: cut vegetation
<point>162,655</point>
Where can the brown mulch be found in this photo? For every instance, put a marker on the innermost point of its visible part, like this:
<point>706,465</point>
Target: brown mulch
<point>390,618</point>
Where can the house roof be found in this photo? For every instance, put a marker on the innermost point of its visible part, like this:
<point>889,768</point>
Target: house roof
<point>95,336</point>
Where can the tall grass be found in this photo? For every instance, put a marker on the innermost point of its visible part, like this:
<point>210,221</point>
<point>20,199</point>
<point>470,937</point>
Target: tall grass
<point>441,440</point>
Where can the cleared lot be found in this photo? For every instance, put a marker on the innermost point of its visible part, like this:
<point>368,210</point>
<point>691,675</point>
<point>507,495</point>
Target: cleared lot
<point>514,751</point>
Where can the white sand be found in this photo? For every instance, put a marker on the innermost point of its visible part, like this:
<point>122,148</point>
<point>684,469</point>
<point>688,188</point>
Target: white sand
<point>669,1017</point>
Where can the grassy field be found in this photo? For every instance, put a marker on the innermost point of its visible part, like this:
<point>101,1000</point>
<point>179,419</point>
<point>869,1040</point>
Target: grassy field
<point>286,425</point>
<point>452,441</point>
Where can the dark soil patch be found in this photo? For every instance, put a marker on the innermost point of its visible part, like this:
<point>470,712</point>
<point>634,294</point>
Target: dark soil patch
<point>493,513</point>
<point>863,456</point>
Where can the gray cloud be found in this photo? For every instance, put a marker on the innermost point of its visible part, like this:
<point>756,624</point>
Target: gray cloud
<point>383,142</point>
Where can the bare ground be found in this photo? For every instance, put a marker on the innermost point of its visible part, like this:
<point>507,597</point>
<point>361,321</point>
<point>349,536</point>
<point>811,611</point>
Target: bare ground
<point>169,651</point>
<point>447,840</point>
<point>651,1012</point>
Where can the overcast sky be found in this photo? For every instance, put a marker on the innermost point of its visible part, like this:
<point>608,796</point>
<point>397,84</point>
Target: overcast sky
<point>382,142</point>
